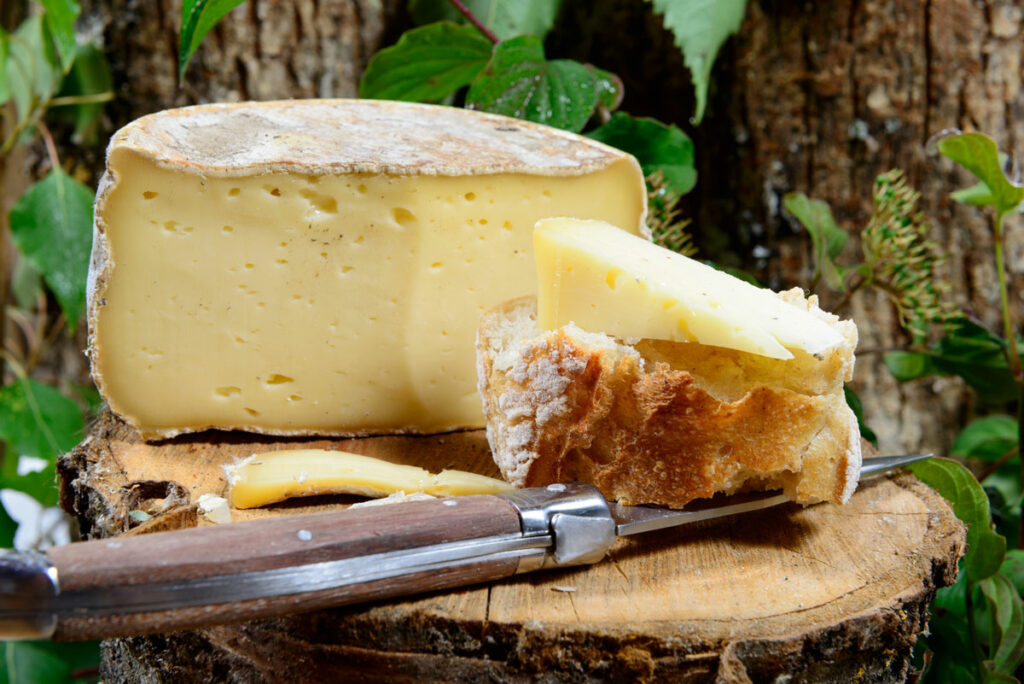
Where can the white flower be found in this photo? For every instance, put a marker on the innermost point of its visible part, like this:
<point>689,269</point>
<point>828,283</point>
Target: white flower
<point>39,527</point>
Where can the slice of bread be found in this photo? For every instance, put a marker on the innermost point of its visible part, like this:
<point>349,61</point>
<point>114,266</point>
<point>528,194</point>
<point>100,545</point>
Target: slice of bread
<point>658,422</point>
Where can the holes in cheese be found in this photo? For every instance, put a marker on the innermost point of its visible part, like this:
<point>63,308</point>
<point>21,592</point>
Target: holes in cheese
<point>275,476</point>
<point>395,224</point>
<point>605,280</point>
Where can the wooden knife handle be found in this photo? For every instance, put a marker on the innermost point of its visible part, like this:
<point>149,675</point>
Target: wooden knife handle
<point>277,543</point>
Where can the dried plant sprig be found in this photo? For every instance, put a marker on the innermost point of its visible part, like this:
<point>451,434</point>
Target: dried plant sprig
<point>902,261</point>
<point>663,216</point>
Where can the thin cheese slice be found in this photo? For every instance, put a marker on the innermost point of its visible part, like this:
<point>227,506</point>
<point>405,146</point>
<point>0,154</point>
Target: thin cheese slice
<point>602,279</point>
<point>320,267</point>
<point>275,476</point>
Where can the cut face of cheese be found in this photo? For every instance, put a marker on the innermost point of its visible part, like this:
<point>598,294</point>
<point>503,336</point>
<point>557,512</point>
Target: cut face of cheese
<point>275,476</point>
<point>320,267</point>
<point>598,277</point>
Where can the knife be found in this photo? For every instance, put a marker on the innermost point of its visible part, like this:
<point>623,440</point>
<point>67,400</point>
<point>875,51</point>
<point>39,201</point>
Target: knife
<point>184,579</point>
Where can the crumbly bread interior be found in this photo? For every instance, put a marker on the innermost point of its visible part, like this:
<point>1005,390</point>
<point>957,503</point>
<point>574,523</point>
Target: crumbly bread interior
<point>650,421</point>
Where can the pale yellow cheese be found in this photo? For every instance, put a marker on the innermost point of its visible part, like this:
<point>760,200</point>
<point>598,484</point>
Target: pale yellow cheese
<point>275,476</point>
<point>602,279</point>
<point>320,267</point>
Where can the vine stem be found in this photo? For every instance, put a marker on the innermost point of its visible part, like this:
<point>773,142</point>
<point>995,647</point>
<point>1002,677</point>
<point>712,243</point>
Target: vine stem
<point>474,21</point>
<point>51,147</point>
<point>1011,342</point>
<point>1004,300</point>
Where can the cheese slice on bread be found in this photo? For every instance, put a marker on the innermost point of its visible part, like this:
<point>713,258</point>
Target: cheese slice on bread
<point>663,421</point>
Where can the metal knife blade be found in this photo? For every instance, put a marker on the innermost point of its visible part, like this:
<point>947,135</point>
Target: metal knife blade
<point>638,519</point>
<point>190,578</point>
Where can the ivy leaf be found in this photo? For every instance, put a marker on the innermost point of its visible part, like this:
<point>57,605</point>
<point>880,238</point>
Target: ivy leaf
<point>198,17</point>
<point>700,28</point>
<point>1007,613</point>
<point>987,438</point>
<point>952,480</point>
<point>426,64</point>
<point>60,20</point>
<point>506,18</point>
<point>52,226</point>
<point>827,238</point>
<point>655,145</point>
<point>520,82</point>
<point>854,402</point>
<point>978,154</point>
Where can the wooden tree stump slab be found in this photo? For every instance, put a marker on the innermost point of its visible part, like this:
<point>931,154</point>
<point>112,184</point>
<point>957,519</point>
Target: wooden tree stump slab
<point>825,593</point>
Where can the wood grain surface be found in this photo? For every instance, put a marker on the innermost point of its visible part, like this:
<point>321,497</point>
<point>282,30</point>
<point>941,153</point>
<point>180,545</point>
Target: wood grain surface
<point>824,593</point>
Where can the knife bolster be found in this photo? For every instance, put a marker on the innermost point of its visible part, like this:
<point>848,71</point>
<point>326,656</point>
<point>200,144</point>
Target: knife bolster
<point>576,516</point>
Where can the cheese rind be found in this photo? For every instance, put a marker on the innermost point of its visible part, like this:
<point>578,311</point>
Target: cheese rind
<point>320,267</point>
<point>598,277</point>
<point>275,476</point>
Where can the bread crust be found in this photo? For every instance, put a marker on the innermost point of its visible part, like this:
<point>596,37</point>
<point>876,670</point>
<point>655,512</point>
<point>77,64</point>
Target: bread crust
<point>569,405</point>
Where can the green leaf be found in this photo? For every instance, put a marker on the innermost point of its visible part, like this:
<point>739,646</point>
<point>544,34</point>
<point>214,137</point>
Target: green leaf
<point>971,352</point>
<point>506,18</point>
<point>426,64</point>
<point>906,366</point>
<point>26,662</point>
<point>854,402</point>
<point>60,20</point>
<point>37,420</point>
<point>608,87</point>
<point>26,284</point>
<point>977,356</point>
<point>952,480</point>
<point>949,640</point>
<point>977,195</point>
<point>1007,610</point>
<point>89,75</point>
<point>1013,569</point>
<point>827,238</point>
<point>33,70</point>
<point>5,86</point>
<point>987,438</point>
<point>198,17</point>
<point>978,154</point>
<point>52,226</point>
<point>1003,491</point>
<point>520,82</point>
<point>655,145</point>
<point>700,28</point>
